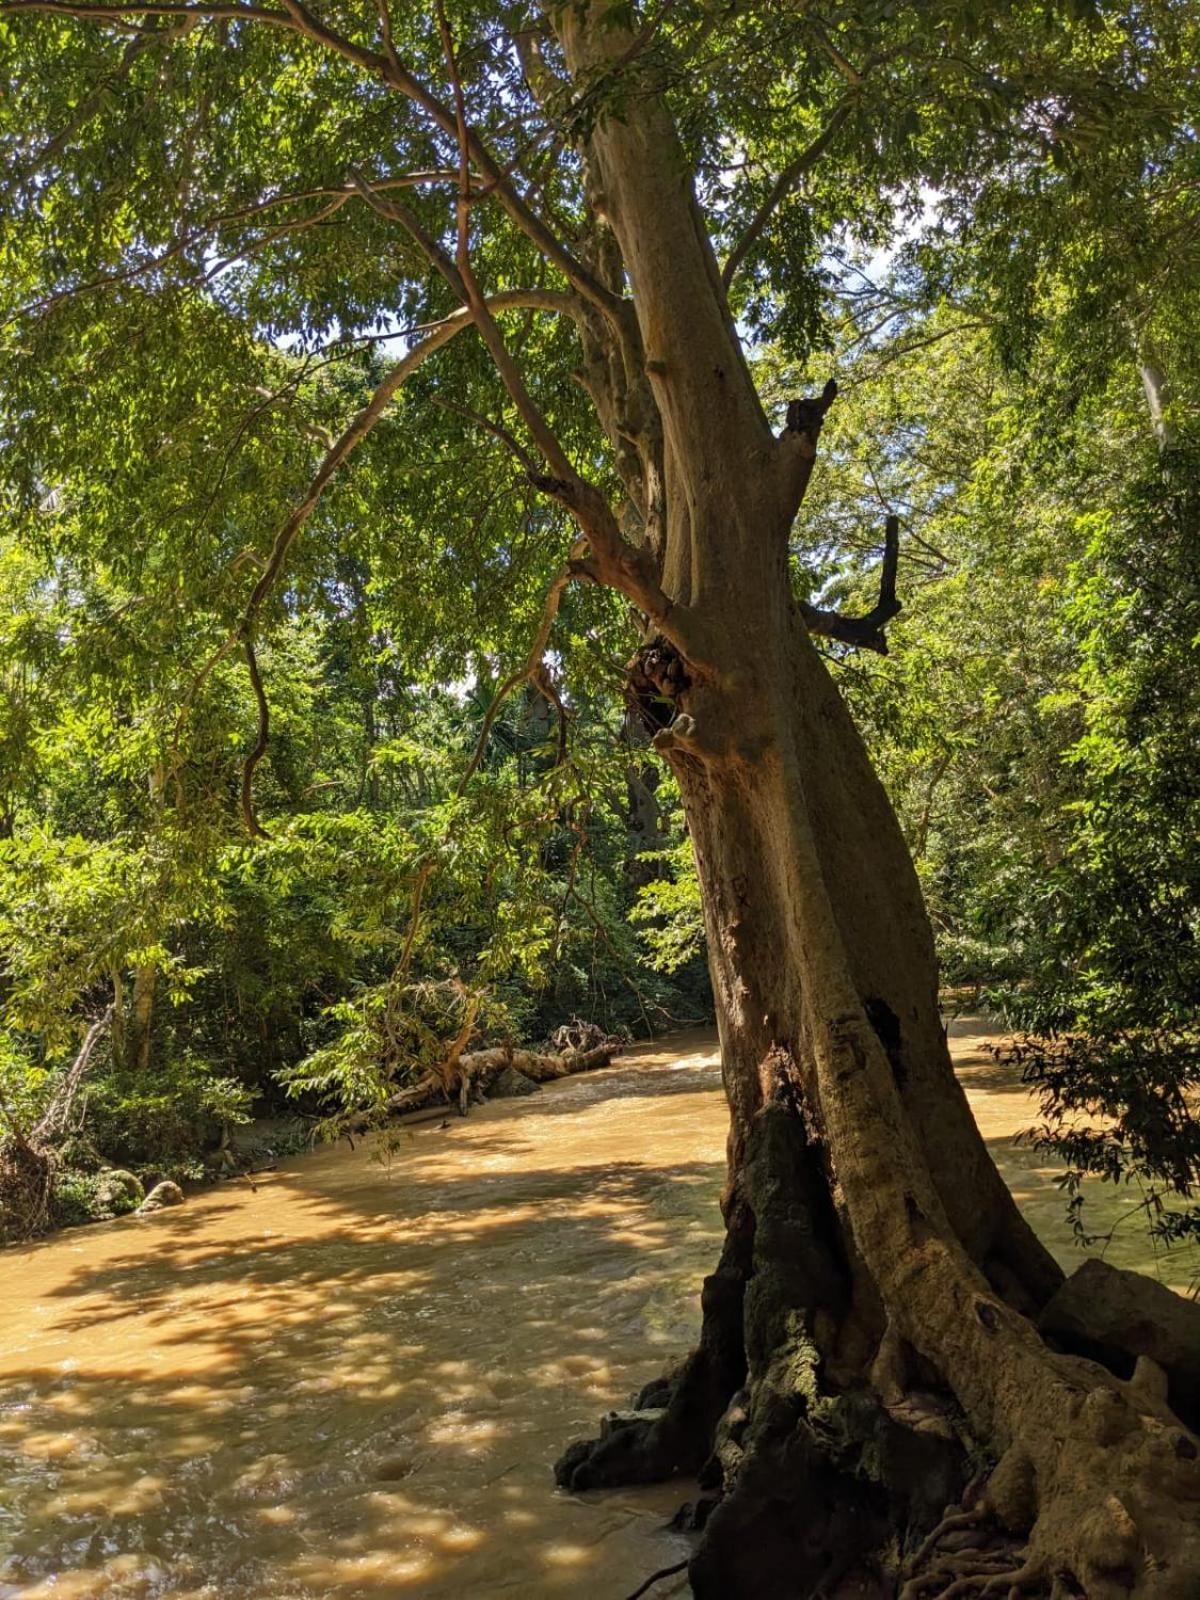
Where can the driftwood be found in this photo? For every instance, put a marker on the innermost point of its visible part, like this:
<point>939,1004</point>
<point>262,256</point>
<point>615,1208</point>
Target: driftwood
<point>463,1077</point>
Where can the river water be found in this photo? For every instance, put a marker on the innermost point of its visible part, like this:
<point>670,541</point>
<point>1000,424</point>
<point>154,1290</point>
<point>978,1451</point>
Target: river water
<point>352,1380</point>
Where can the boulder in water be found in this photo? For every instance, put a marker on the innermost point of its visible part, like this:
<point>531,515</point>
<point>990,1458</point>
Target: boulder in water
<point>509,1083</point>
<point>1117,1317</point>
<point>116,1192</point>
<point>162,1195</point>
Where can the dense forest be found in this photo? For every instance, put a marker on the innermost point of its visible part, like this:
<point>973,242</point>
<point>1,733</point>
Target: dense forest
<point>483,488</point>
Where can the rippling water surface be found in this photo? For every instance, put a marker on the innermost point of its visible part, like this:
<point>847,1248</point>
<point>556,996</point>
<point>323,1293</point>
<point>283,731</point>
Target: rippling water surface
<point>353,1380</point>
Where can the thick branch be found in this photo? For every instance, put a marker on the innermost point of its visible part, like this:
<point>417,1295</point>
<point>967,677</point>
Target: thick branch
<point>786,181</point>
<point>865,632</point>
<point>615,561</point>
<point>475,1070</point>
<point>798,443</point>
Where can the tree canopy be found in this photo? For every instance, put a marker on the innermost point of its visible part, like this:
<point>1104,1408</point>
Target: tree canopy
<point>277,528</point>
<point>485,491</point>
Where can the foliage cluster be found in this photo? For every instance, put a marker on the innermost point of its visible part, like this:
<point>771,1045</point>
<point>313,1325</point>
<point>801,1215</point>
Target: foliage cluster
<point>238,794</point>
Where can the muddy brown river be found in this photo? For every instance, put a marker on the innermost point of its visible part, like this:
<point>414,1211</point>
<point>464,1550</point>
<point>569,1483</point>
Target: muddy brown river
<point>352,1380</point>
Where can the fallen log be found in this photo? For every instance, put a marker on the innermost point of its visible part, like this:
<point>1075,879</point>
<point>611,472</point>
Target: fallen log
<point>466,1076</point>
<point>474,1070</point>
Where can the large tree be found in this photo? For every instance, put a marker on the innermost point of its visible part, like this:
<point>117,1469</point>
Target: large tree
<point>537,201</point>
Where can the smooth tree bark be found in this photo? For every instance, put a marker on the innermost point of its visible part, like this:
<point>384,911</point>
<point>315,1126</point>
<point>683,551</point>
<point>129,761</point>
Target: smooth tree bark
<point>867,1336</point>
<point>141,1018</point>
<point>868,1354</point>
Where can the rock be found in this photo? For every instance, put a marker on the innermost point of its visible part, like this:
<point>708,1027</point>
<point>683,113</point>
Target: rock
<point>509,1083</point>
<point>617,1421</point>
<point>117,1191</point>
<point>1116,1317</point>
<point>162,1195</point>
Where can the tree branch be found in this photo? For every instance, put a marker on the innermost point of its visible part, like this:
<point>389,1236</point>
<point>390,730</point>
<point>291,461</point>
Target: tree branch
<point>786,181</point>
<point>527,672</point>
<point>83,113</point>
<point>341,449</point>
<point>865,632</point>
<point>253,826</point>
<point>615,561</point>
<point>53,1122</point>
<point>543,682</point>
<point>798,442</point>
<point>211,225</point>
<point>496,429</point>
<point>387,69</point>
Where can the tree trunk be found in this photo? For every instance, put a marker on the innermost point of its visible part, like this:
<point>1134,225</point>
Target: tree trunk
<point>645,834</point>
<point>866,1334</point>
<point>145,982</point>
<point>867,1340</point>
<point>132,1021</point>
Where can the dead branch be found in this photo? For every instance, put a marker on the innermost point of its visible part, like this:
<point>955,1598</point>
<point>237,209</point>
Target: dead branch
<point>865,632</point>
<point>53,1122</point>
<point>27,1159</point>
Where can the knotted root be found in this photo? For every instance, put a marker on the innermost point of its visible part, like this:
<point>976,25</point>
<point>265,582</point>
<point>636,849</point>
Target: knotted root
<point>1103,1501</point>
<point>953,1522</point>
<point>975,1571</point>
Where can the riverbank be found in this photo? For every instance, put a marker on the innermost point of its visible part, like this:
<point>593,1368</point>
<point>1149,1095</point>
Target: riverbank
<point>352,1380</point>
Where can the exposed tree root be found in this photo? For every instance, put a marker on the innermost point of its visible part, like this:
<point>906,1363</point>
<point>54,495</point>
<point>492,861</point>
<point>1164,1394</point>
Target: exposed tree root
<point>833,1484</point>
<point>953,1522</point>
<point>993,1565</point>
<point>656,1577</point>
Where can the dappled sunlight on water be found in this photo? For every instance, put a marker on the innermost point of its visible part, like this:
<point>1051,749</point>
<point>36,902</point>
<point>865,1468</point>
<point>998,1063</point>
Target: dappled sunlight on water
<point>1004,1108</point>
<point>353,1380</point>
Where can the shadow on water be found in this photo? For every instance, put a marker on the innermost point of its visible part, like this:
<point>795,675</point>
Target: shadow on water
<point>353,1382</point>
